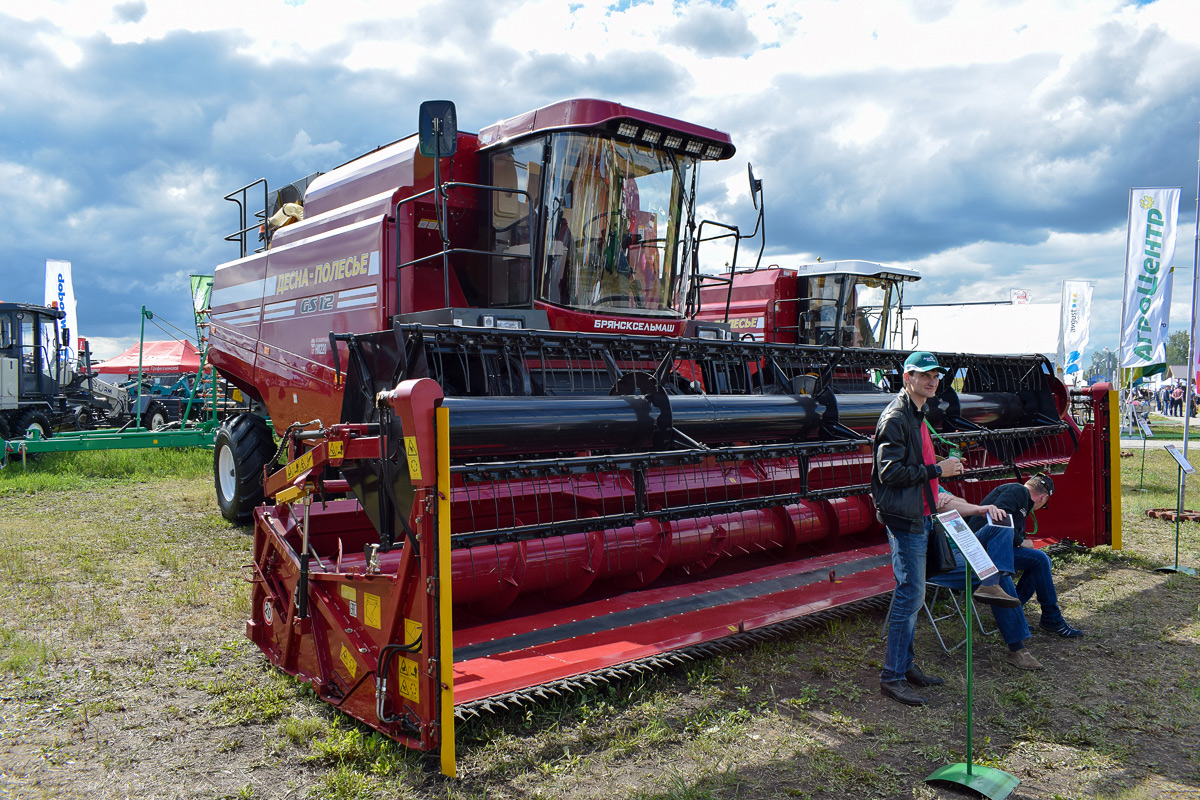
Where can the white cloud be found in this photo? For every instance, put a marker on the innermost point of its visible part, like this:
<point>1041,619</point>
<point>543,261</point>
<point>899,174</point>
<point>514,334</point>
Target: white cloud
<point>104,347</point>
<point>988,142</point>
<point>866,124</point>
<point>22,187</point>
<point>305,154</point>
<point>67,51</point>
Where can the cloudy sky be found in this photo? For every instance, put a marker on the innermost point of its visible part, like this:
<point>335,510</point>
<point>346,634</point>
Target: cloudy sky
<point>990,144</point>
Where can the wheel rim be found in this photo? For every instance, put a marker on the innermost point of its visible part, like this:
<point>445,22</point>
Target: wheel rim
<point>35,426</point>
<point>157,421</point>
<point>226,476</point>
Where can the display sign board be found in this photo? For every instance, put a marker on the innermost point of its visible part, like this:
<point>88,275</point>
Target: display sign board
<point>1144,425</point>
<point>971,549</point>
<point>1180,459</point>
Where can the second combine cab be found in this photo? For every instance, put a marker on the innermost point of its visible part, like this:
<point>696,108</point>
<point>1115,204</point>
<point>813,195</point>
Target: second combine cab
<point>515,462</point>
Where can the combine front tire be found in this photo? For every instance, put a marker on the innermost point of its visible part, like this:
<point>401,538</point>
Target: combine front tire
<point>244,445</point>
<point>32,421</point>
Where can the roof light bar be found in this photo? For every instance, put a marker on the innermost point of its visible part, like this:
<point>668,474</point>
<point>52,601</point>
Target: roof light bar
<point>655,137</point>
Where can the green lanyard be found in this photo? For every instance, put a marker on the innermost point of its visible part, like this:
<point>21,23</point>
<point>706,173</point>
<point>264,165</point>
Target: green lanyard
<point>938,437</point>
<point>951,445</point>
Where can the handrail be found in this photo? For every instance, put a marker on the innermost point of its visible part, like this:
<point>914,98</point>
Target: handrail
<point>446,251</point>
<point>242,198</point>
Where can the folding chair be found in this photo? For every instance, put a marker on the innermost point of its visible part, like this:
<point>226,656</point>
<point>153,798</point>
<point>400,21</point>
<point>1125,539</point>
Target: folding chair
<point>951,584</point>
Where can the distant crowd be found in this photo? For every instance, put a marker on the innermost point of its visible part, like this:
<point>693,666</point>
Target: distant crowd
<point>1169,398</point>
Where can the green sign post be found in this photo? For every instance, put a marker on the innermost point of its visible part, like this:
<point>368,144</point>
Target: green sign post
<point>988,781</point>
<point>1185,468</point>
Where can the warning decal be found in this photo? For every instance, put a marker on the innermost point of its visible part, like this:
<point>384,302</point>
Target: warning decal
<point>301,464</point>
<point>348,660</point>
<point>371,610</point>
<point>412,631</point>
<point>414,462</point>
<point>407,684</point>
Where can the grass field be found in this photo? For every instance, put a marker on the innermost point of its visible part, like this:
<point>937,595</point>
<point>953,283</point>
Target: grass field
<point>124,672</point>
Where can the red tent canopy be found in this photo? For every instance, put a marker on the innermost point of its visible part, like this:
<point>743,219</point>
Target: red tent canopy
<point>161,358</point>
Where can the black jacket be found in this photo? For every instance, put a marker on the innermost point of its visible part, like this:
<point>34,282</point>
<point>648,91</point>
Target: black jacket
<point>898,470</point>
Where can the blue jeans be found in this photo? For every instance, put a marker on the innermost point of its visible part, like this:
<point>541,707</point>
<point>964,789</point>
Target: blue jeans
<point>998,542</point>
<point>1037,579</point>
<point>1009,621</point>
<point>908,565</point>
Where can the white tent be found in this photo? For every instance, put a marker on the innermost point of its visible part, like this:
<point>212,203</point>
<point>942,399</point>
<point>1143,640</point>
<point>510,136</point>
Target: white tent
<point>988,328</point>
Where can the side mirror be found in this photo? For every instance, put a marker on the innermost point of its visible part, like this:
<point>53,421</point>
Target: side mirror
<point>437,128</point>
<point>755,184</point>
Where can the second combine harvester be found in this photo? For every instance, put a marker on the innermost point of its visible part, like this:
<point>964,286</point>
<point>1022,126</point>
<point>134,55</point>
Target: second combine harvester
<point>523,449</point>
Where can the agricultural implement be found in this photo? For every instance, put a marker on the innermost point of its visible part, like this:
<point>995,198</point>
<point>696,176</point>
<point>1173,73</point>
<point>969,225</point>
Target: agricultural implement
<point>498,487</point>
<point>50,398</point>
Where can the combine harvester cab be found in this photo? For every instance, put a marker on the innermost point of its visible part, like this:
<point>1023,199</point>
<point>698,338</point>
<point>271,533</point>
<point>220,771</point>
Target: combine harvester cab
<point>514,467</point>
<point>832,304</point>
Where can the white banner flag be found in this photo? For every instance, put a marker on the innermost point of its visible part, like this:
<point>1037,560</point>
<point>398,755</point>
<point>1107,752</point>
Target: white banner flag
<point>1076,323</point>
<point>1146,310</point>
<point>60,293</point>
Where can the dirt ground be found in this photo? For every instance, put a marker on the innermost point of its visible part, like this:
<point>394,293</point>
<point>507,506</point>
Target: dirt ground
<point>124,673</point>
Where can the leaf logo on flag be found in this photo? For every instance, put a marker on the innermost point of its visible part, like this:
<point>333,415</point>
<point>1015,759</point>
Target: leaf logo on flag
<point>1072,362</point>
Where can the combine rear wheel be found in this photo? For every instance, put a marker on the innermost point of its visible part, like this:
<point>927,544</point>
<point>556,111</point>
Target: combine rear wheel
<point>4,434</point>
<point>244,445</point>
<point>32,421</point>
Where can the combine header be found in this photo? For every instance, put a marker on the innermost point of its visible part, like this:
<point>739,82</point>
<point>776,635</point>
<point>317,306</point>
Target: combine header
<point>498,485</point>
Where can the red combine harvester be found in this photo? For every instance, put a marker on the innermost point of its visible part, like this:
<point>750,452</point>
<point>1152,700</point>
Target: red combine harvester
<point>517,459</point>
<point>833,304</point>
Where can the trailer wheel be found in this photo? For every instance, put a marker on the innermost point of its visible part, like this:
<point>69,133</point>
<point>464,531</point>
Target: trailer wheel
<point>155,416</point>
<point>244,445</point>
<point>33,421</point>
<point>84,419</point>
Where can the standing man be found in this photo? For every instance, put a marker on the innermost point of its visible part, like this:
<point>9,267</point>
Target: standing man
<point>904,475</point>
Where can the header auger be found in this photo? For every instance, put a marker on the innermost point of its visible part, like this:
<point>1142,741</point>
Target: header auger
<point>482,505</point>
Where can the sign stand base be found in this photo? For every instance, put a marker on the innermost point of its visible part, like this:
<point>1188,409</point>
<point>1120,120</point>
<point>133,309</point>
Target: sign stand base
<point>994,783</point>
<point>1173,568</point>
<point>1185,468</point>
<point>988,781</point>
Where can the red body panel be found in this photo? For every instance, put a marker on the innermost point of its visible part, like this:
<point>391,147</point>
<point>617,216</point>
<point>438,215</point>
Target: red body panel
<point>272,312</point>
<point>762,305</point>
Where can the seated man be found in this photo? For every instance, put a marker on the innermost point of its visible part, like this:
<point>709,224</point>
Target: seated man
<point>996,540</point>
<point>1018,500</point>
